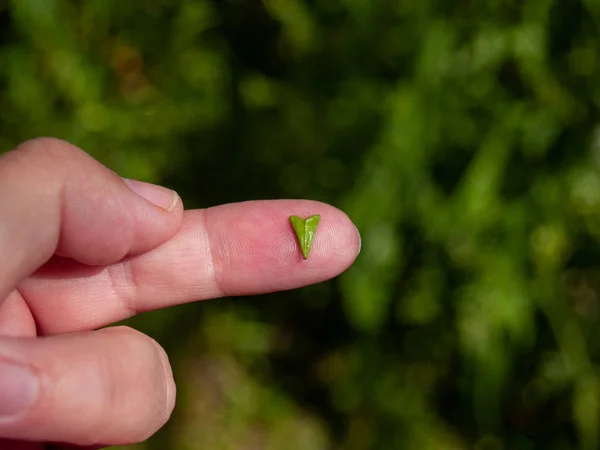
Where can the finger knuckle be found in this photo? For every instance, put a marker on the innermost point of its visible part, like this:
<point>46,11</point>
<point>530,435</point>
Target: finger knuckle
<point>47,148</point>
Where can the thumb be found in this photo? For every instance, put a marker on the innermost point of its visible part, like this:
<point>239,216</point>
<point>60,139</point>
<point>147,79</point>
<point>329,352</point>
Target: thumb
<point>56,199</point>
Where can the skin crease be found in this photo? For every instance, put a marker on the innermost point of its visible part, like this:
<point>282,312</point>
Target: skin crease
<point>87,251</point>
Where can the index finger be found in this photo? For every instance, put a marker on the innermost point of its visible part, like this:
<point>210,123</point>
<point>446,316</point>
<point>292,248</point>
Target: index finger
<point>237,249</point>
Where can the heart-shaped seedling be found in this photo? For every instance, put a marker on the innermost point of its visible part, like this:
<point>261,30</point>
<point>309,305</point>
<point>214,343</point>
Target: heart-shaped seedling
<point>305,231</point>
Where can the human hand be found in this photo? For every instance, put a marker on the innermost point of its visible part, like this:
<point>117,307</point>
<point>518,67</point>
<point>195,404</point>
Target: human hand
<point>82,250</point>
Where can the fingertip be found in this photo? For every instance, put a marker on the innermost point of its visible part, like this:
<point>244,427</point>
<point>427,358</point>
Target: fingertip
<point>123,218</point>
<point>105,386</point>
<point>19,390</point>
<point>58,199</point>
<point>160,196</point>
<point>255,249</point>
<point>157,214</point>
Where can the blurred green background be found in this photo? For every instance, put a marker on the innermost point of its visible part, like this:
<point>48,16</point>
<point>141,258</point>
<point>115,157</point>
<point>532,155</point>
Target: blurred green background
<point>463,139</point>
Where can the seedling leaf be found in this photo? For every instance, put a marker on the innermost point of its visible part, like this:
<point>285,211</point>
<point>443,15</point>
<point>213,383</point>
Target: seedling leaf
<point>305,231</point>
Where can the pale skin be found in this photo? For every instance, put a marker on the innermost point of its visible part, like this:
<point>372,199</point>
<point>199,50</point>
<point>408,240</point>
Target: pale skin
<point>81,250</point>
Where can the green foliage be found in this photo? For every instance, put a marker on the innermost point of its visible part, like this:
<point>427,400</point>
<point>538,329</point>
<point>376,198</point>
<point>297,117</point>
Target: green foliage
<point>461,137</point>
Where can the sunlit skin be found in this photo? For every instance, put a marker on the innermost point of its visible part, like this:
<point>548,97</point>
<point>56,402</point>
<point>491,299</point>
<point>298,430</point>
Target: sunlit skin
<point>81,250</point>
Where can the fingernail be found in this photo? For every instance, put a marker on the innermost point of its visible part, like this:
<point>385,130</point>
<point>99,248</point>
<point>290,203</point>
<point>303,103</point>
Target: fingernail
<point>18,390</point>
<point>359,240</point>
<point>157,195</point>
